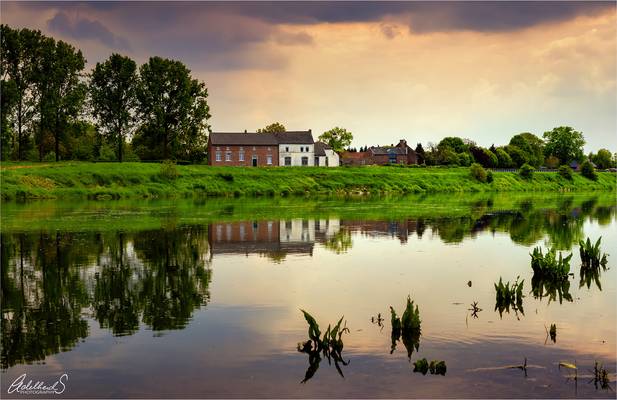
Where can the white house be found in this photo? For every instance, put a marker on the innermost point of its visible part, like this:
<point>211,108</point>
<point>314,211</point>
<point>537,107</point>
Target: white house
<point>296,148</point>
<point>325,156</point>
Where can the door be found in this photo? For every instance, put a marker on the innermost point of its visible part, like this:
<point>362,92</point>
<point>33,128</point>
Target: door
<point>254,161</point>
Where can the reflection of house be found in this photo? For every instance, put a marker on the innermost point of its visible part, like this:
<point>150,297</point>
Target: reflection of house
<point>400,229</point>
<point>382,155</point>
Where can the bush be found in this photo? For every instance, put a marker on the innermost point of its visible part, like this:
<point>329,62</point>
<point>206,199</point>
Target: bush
<point>588,171</point>
<point>489,176</point>
<point>526,171</point>
<point>478,172</point>
<point>51,156</point>
<point>566,172</point>
<point>168,170</point>
<point>503,159</point>
<point>107,153</point>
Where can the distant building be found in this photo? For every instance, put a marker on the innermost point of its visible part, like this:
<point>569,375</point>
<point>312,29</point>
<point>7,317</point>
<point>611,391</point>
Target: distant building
<point>325,156</point>
<point>261,149</point>
<point>382,155</point>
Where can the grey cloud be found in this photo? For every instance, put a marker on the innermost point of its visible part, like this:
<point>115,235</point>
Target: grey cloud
<point>83,28</point>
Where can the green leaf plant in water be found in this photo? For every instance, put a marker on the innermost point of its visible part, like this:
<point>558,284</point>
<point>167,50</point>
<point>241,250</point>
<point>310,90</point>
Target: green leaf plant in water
<point>547,265</point>
<point>435,367</point>
<point>509,296</point>
<point>591,256</point>
<point>407,327</point>
<point>330,345</point>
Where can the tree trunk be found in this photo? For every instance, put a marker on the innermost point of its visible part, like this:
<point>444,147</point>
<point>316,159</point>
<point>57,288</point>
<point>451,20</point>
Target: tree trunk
<point>57,137</point>
<point>165,151</point>
<point>120,147</point>
<point>19,119</point>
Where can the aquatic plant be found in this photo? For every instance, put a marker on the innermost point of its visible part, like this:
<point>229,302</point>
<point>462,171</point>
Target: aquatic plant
<point>600,376</point>
<point>509,296</point>
<point>435,367</point>
<point>329,345</point>
<point>548,265</point>
<point>552,333</point>
<point>542,286</point>
<point>588,275</point>
<point>407,328</point>
<point>591,256</point>
<point>474,309</point>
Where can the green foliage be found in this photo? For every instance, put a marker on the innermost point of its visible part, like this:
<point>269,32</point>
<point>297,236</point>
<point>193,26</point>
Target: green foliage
<point>489,177</point>
<point>588,171</point>
<point>548,265</point>
<point>528,149</point>
<point>456,144</point>
<point>337,138</point>
<point>507,296</point>
<point>407,327</point>
<point>113,86</point>
<point>546,286</point>
<point>564,143</point>
<point>484,156</point>
<point>275,127</point>
<point>503,158</point>
<point>169,170</point>
<point>330,345</point>
<point>603,159</point>
<point>591,255</point>
<point>106,153</point>
<point>478,173</point>
<point>50,157</point>
<point>566,172</point>
<point>435,367</point>
<point>526,171</point>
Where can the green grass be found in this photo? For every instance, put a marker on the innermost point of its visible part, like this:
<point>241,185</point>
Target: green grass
<point>144,180</point>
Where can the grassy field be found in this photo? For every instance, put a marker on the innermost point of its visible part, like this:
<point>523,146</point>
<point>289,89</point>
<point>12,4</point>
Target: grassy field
<point>144,180</point>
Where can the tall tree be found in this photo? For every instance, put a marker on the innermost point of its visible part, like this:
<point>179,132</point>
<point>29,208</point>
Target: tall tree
<point>62,91</point>
<point>420,153</point>
<point>337,138</point>
<point>172,106</point>
<point>531,146</point>
<point>564,143</point>
<point>275,127</point>
<point>113,96</point>
<point>18,61</point>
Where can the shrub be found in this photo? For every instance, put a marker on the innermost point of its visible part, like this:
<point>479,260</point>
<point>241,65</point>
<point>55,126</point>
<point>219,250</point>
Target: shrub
<point>478,172</point>
<point>168,170</point>
<point>503,159</point>
<point>526,171</point>
<point>588,171</point>
<point>489,176</point>
<point>51,156</point>
<point>566,172</point>
<point>547,265</point>
<point>107,153</point>
<point>591,256</point>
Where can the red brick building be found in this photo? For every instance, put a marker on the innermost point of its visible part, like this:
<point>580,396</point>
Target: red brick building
<point>243,149</point>
<point>382,155</point>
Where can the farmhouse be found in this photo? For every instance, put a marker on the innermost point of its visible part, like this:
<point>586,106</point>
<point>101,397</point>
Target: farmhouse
<point>269,149</point>
<point>382,155</point>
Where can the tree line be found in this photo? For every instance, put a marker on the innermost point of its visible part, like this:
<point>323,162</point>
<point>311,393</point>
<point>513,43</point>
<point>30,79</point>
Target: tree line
<point>51,109</point>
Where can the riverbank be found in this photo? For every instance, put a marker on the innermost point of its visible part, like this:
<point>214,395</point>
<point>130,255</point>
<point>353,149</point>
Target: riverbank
<point>84,180</point>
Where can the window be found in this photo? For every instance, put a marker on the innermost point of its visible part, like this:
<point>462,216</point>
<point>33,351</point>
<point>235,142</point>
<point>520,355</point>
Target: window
<point>218,148</point>
<point>218,156</point>
<point>228,156</point>
<point>227,148</point>
<point>301,149</point>
<point>304,160</point>
<point>269,159</point>
<point>288,161</point>
<point>317,161</point>
<point>287,149</point>
<point>241,156</point>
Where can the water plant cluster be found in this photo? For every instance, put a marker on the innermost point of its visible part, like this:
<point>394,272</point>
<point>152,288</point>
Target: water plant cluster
<point>591,256</point>
<point>407,328</point>
<point>330,345</point>
<point>509,296</point>
<point>548,265</point>
<point>434,367</point>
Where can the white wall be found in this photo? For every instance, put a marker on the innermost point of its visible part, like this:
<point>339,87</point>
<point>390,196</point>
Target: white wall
<point>331,156</point>
<point>293,151</point>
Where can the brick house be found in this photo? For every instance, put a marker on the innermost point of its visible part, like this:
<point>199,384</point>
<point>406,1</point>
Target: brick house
<point>261,149</point>
<point>382,155</point>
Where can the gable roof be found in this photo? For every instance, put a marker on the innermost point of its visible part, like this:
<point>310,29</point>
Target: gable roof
<point>260,139</point>
<point>388,150</point>
<point>320,148</point>
<point>242,138</point>
<point>294,137</point>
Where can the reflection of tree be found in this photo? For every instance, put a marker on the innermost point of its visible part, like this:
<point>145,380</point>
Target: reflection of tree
<point>340,242</point>
<point>41,301</point>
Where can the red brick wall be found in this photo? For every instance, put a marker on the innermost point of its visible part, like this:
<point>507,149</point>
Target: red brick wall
<point>261,152</point>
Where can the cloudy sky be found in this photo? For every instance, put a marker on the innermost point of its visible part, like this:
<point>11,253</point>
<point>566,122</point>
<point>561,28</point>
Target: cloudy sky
<point>383,70</point>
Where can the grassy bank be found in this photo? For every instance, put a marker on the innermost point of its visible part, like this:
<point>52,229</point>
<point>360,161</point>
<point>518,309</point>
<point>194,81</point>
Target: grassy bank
<point>142,180</point>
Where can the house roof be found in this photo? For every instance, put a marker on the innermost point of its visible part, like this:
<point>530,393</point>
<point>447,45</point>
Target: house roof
<point>260,139</point>
<point>294,137</point>
<point>388,150</point>
<point>320,148</point>
<point>358,155</point>
<point>242,138</point>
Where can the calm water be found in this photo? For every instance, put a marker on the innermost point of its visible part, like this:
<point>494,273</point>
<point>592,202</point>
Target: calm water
<point>203,299</point>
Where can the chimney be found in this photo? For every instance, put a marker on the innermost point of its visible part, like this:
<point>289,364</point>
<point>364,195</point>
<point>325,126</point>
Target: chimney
<point>245,131</point>
<point>310,131</point>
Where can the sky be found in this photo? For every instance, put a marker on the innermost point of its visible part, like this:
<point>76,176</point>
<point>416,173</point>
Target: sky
<point>382,70</point>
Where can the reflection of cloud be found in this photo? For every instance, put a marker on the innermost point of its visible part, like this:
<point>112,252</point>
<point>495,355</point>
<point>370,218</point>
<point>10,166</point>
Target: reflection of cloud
<point>84,28</point>
<point>389,30</point>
